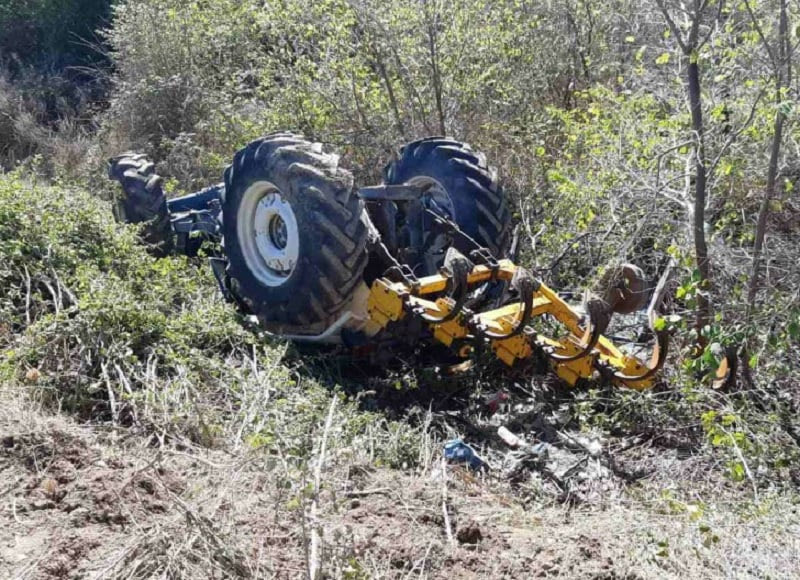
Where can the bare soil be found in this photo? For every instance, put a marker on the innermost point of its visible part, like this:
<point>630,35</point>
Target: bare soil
<point>93,502</point>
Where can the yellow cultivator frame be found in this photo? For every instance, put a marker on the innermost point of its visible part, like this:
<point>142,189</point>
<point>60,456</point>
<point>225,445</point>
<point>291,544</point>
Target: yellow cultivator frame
<point>580,353</point>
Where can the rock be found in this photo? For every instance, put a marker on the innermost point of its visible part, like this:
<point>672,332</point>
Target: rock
<point>42,504</point>
<point>469,534</point>
<point>79,515</point>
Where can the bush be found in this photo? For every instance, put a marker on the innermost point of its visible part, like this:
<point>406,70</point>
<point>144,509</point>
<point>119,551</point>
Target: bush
<point>195,81</point>
<point>95,326</point>
<point>88,300</point>
<point>40,117</point>
<point>176,67</point>
<point>21,131</point>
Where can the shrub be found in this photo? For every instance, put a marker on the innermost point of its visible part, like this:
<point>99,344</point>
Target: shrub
<point>88,299</point>
<point>95,326</point>
<point>21,131</point>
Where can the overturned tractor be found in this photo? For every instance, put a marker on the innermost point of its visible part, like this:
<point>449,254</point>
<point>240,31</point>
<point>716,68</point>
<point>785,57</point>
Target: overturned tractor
<point>420,259</point>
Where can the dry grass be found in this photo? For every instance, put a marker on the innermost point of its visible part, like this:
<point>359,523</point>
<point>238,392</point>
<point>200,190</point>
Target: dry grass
<point>124,506</point>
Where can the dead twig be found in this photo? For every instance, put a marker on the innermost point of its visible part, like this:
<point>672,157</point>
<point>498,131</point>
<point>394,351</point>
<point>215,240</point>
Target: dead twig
<point>314,564</point>
<point>746,467</point>
<point>658,293</point>
<point>447,527</point>
<point>364,492</point>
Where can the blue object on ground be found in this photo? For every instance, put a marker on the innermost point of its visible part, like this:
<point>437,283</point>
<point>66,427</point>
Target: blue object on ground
<point>459,452</point>
<point>540,449</point>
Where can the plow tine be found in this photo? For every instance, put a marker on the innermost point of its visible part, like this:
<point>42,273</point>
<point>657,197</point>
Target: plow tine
<point>662,336</point>
<point>656,361</point>
<point>725,377</point>
<point>598,322</point>
<point>527,286</point>
<point>457,269</point>
<point>441,303</point>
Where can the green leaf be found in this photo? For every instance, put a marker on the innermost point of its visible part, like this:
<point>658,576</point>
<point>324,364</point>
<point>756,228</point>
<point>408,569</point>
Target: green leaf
<point>663,58</point>
<point>737,472</point>
<point>659,324</point>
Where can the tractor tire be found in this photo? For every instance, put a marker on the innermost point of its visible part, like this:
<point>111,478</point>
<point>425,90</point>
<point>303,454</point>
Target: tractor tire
<point>143,201</point>
<point>293,234</point>
<point>476,199</point>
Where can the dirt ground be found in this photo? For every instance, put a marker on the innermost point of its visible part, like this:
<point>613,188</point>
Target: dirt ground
<point>92,502</point>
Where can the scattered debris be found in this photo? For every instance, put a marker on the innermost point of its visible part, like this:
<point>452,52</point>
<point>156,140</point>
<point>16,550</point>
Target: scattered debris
<point>509,438</point>
<point>590,445</point>
<point>459,452</point>
<point>493,404</point>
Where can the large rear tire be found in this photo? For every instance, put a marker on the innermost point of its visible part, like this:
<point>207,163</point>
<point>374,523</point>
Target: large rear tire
<point>143,200</point>
<point>293,234</point>
<point>459,178</point>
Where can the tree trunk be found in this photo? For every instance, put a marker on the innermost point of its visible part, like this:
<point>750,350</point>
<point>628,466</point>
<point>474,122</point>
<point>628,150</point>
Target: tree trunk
<point>398,121</point>
<point>437,84</point>
<point>772,170</point>
<point>763,211</point>
<point>703,313</point>
<point>433,31</point>
<point>690,45</point>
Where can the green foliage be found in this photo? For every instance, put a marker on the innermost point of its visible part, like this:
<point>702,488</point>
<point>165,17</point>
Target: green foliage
<point>196,80</point>
<point>77,283</point>
<point>112,334</point>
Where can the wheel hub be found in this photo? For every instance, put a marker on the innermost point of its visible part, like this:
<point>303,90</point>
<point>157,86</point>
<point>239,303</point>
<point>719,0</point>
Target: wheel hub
<point>435,197</point>
<point>278,233</point>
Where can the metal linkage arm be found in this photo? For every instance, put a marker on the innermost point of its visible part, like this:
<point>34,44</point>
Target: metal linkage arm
<point>456,269</point>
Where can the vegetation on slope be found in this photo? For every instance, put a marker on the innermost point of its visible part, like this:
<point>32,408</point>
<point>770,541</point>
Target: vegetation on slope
<point>94,326</point>
<point>98,328</point>
<point>585,109</point>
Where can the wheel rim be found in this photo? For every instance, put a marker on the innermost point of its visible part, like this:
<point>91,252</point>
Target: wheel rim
<point>268,233</point>
<point>436,196</point>
<point>439,201</point>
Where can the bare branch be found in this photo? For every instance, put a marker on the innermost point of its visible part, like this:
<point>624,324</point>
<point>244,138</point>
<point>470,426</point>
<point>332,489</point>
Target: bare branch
<point>676,32</point>
<point>760,32</point>
<point>711,29</point>
<point>735,135</point>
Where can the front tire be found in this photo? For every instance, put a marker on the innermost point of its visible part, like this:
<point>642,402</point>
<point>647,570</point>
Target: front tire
<point>143,200</point>
<point>293,233</point>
